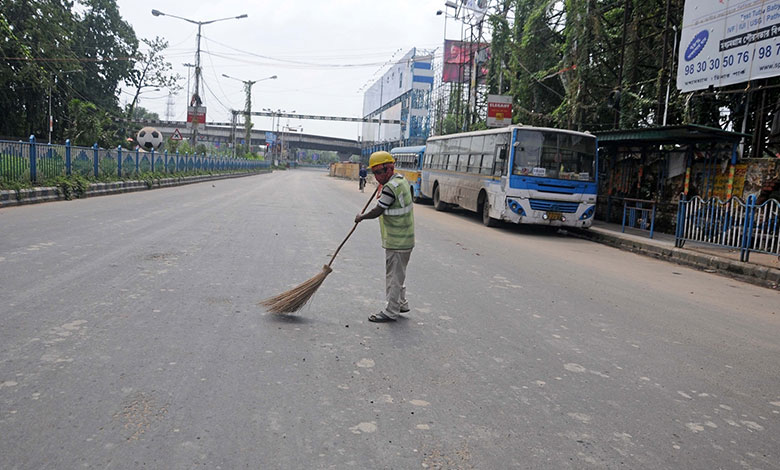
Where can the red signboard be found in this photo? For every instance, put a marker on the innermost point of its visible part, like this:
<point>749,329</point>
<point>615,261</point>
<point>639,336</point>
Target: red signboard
<point>196,114</point>
<point>499,110</point>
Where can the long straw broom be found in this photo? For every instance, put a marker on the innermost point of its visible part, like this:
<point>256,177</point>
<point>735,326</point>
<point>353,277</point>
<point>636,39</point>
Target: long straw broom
<point>295,298</point>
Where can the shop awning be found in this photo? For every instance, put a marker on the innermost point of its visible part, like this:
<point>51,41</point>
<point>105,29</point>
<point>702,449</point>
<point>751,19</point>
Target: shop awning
<point>668,135</point>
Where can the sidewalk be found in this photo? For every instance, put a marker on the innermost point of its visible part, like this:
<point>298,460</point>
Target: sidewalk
<point>763,269</point>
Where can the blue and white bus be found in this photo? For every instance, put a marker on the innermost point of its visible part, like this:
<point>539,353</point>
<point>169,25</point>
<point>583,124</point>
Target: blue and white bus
<point>520,174</point>
<point>408,162</point>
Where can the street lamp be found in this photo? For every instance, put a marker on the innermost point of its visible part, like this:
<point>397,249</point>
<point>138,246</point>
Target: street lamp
<point>248,108</point>
<point>196,100</point>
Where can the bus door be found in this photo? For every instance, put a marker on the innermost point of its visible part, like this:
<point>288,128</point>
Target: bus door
<point>501,164</point>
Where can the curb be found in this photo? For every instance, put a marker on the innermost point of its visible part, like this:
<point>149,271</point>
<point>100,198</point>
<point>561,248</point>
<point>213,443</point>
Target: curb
<point>9,198</point>
<point>754,274</point>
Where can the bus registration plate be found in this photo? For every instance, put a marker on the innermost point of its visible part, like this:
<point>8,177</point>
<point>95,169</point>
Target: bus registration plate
<point>554,215</point>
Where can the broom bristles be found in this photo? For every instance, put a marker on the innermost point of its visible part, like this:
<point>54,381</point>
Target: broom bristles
<point>295,298</point>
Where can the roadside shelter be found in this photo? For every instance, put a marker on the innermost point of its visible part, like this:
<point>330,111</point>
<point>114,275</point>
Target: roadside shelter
<point>660,163</point>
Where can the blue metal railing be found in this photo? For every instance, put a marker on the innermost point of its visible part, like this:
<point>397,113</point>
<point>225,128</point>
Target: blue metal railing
<point>32,162</point>
<point>745,226</point>
<point>641,214</point>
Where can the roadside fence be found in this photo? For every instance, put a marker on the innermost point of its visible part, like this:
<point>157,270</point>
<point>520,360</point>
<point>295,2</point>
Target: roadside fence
<point>32,162</point>
<point>746,226</point>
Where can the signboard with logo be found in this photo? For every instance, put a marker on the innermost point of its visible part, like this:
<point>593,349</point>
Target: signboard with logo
<point>499,110</point>
<point>196,115</point>
<point>726,42</point>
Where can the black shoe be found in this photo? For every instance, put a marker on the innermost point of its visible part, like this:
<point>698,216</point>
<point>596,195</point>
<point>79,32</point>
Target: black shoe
<point>404,310</point>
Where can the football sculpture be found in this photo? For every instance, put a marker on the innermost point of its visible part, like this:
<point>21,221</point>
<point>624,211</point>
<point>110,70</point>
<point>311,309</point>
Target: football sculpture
<point>149,138</point>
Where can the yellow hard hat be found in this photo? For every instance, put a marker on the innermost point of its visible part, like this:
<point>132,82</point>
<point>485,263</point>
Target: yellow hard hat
<point>378,158</point>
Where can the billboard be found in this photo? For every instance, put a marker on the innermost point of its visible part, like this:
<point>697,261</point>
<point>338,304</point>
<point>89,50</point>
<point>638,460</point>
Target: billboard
<point>457,60</point>
<point>726,42</point>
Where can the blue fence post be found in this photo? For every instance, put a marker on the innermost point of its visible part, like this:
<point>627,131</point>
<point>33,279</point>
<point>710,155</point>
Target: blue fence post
<point>624,216</point>
<point>67,158</point>
<point>119,161</point>
<point>137,152</point>
<point>177,162</point>
<point>33,161</point>
<point>95,169</point>
<point>152,160</point>
<point>165,159</point>
<point>747,231</point>
<point>652,222</point>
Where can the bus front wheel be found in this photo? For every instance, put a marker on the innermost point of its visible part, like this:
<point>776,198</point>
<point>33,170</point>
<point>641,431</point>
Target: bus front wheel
<point>438,204</point>
<point>486,219</point>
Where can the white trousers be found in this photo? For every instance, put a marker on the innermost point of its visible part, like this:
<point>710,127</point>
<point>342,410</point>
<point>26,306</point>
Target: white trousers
<point>395,276</point>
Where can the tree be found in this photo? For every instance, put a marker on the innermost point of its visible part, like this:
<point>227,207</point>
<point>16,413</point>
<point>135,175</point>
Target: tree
<point>108,45</point>
<point>89,125</point>
<point>151,71</point>
<point>35,37</point>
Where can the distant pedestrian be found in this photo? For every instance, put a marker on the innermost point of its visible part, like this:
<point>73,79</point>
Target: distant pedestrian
<point>396,223</point>
<point>362,175</point>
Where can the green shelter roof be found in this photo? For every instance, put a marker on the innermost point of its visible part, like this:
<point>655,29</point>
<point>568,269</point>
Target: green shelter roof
<point>668,135</point>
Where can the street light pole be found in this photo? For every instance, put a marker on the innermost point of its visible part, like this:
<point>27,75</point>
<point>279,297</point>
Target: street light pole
<point>248,107</point>
<point>196,100</point>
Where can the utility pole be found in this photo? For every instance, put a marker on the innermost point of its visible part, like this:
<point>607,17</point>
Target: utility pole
<point>196,101</point>
<point>248,106</point>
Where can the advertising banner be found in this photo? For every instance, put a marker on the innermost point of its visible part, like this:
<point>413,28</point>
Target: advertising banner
<point>457,60</point>
<point>499,110</point>
<point>726,42</point>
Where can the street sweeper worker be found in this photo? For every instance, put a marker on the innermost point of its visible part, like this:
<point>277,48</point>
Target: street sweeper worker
<point>396,224</point>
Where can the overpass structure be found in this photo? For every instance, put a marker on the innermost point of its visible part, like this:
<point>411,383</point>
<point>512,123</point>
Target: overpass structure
<point>222,134</point>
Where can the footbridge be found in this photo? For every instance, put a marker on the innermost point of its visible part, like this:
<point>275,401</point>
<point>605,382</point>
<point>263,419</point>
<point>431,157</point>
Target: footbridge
<point>222,134</point>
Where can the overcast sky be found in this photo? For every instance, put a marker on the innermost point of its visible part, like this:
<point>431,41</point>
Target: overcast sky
<point>325,53</point>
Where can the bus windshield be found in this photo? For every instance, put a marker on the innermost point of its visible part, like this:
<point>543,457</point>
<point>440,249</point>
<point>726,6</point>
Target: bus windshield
<point>550,154</point>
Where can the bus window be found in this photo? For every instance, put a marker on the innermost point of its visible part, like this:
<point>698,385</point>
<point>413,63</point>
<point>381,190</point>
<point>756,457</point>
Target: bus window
<point>474,161</point>
<point>487,165</point>
<point>463,161</point>
<point>477,144</point>
<point>489,145</point>
<point>463,145</point>
<point>452,163</point>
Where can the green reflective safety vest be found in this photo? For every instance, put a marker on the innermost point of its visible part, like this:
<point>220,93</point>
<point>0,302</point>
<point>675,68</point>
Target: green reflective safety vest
<point>397,221</point>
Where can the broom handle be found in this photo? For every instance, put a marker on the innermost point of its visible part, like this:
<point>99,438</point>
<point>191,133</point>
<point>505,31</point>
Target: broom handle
<point>353,227</point>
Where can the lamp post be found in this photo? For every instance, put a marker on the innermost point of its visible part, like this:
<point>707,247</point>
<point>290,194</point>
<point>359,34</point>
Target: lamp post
<point>445,12</point>
<point>248,107</point>
<point>196,100</point>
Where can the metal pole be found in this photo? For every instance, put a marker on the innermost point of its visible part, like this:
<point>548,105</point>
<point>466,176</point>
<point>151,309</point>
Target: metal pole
<point>198,101</point>
<point>248,119</point>
<point>51,121</point>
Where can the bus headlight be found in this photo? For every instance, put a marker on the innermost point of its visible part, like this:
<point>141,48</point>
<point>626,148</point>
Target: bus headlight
<point>588,213</point>
<point>515,207</point>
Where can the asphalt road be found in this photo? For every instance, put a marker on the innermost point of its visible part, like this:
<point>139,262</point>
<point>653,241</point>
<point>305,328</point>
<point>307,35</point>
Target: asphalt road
<point>130,337</point>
